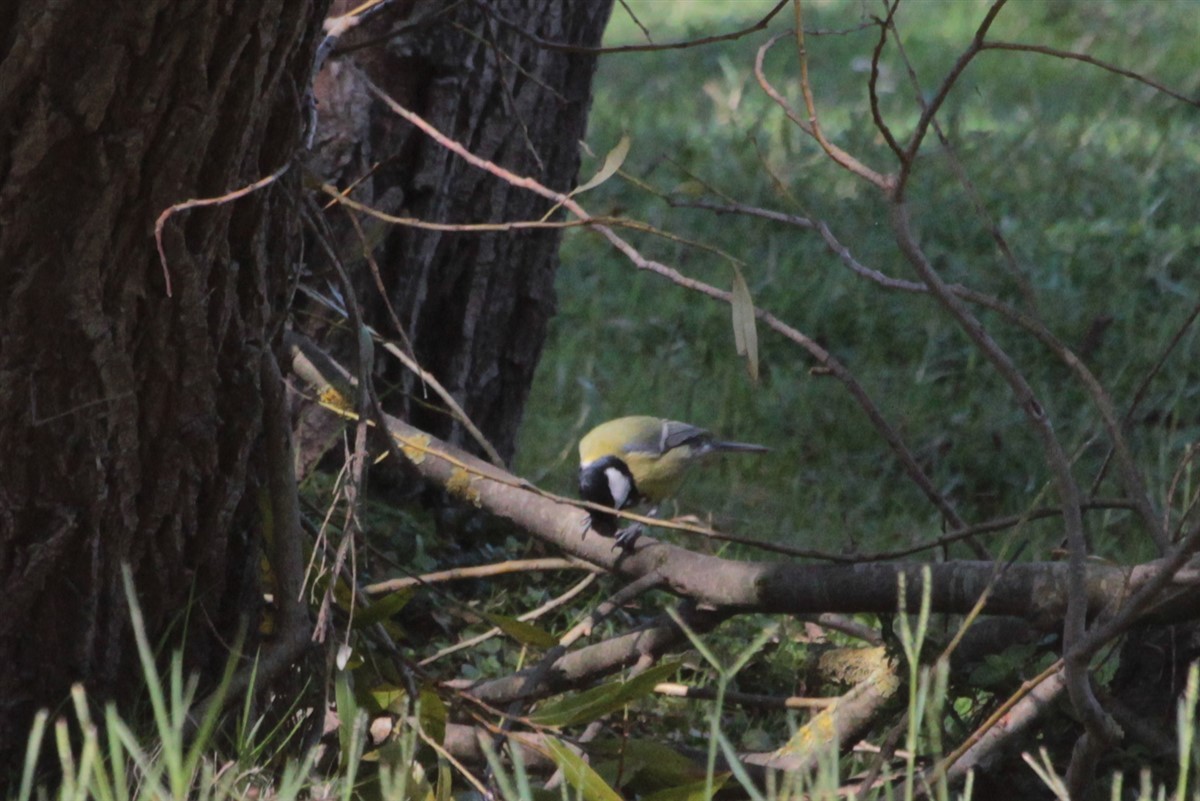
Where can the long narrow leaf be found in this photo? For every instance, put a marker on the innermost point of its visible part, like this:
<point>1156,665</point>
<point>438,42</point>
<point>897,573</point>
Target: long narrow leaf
<point>612,163</point>
<point>589,705</point>
<point>579,774</point>
<point>745,330</point>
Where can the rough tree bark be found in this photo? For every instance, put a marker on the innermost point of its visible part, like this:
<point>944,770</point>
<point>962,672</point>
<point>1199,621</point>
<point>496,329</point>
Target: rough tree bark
<point>130,420</point>
<point>474,306</point>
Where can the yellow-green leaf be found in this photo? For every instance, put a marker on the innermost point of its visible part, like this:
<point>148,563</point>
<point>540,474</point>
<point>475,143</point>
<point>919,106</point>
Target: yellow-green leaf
<point>382,609</point>
<point>387,697</point>
<point>651,765</point>
<point>433,715</point>
<point>522,632</point>
<point>589,705</point>
<point>745,331</point>
<point>612,163</point>
<point>579,774</point>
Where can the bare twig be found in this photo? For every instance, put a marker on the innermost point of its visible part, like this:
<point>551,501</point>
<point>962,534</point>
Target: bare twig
<point>569,48</point>
<point>910,154</point>
<point>876,114</point>
<point>957,535</point>
<point>1095,62</point>
<point>533,614</point>
<point>676,690</point>
<point>1079,686</point>
<point>477,571</point>
<point>1140,394</point>
<point>166,214</point>
<point>1180,470</point>
<point>811,125</point>
<point>1009,721</point>
<point>1014,268</point>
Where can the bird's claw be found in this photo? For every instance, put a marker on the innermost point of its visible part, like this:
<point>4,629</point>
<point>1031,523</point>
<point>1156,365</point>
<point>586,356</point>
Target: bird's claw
<point>628,536</point>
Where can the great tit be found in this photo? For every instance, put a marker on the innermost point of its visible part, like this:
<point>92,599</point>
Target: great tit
<point>640,459</point>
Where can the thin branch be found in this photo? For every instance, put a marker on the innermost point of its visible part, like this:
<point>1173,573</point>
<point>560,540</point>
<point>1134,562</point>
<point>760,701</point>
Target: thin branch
<point>1180,471</point>
<point>456,409</point>
<point>166,214</point>
<point>675,690</point>
<point>377,274</point>
<point>533,614</point>
<point>646,48</point>
<point>1140,394</point>
<point>877,114</point>
<point>478,571</point>
<point>918,135</point>
<point>645,31</point>
<point>1007,723</point>
<point>811,126</point>
<point>1095,62</point>
<point>981,210</point>
<point>415,222</point>
<point>1097,722</point>
<point>941,541</point>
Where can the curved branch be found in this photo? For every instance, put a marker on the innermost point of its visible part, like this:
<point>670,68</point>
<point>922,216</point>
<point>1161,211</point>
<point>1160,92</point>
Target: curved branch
<point>569,48</point>
<point>1096,720</point>
<point>873,94</point>
<point>812,126</point>
<point>914,144</point>
<point>1095,62</point>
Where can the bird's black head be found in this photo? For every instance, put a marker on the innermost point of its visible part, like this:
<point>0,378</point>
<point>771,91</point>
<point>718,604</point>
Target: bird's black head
<point>608,482</point>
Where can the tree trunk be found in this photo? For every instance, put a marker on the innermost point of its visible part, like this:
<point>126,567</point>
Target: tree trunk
<point>130,420</point>
<point>474,306</point>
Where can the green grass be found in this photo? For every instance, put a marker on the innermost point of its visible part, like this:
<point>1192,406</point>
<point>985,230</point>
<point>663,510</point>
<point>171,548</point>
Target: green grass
<point>1090,176</point>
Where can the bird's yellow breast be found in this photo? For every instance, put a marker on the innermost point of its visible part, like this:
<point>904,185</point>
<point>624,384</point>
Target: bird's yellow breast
<point>659,477</point>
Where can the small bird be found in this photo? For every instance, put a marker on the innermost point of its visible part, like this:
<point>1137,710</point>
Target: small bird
<point>641,459</point>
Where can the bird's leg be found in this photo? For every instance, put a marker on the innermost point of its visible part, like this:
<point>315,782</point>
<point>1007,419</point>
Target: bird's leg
<point>628,536</point>
<point>603,524</point>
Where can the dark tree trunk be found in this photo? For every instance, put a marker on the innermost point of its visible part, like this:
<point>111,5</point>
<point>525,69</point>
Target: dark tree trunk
<point>474,306</point>
<point>129,420</point>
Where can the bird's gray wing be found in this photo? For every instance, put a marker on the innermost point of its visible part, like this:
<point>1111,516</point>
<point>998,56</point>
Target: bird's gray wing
<point>676,434</point>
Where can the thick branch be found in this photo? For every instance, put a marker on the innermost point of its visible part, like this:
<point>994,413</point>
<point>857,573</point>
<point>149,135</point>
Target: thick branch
<point>1033,590</point>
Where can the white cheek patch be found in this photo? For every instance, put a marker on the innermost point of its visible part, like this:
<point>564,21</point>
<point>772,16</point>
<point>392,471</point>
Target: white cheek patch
<point>619,486</point>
